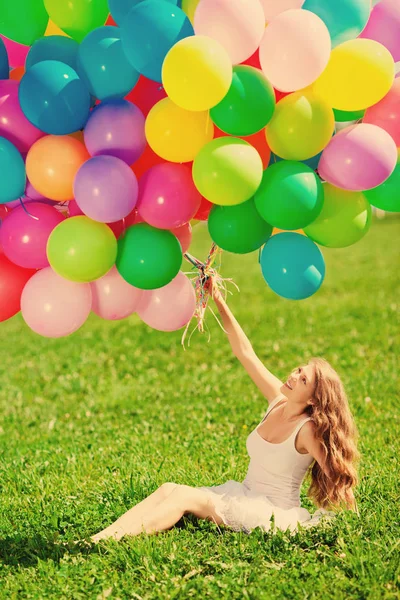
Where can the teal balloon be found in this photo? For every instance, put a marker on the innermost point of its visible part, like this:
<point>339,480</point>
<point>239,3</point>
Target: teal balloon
<point>149,31</point>
<point>148,258</point>
<point>387,195</point>
<point>290,195</point>
<point>249,104</point>
<point>239,228</point>
<point>119,9</point>
<point>12,169</point>
<point>310,162</point>
<point>292,265</point>
<point>345,19</point>
<point>53,98</point>
<point>53,47</point>
<point>103,65</point>
<point>4,64</point>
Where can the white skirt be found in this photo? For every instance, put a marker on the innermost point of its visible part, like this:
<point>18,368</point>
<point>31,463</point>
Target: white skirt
<point>242,509</point>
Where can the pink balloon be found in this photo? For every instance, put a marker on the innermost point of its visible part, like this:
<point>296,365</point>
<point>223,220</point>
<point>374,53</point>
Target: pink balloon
<point>16,52</point>
<point>384,26</point>
<point>74,210</point>
<point>386,113</point>
<point>358,158</point>
<point>184,235</point>
<point>24,234</point>
<point>53,306</point>
<point>14,126</point>
<point>168,197</point>
<point>294,50</point>
<point>238,25</point>
<point>113,297</point>
<point>273,8</point>
<point>168,308</point>
<point>32,194</point>
<point>105,189</point>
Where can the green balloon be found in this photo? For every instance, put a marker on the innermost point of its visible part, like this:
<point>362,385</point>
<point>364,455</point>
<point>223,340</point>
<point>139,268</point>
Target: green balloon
<point>81,250</point>
<point>238,228</point>
<point>387,195</point>
<point>249,104</point>
<point>148,258</point>
<point>341,116</point>
<point>345,218</point>
<point>290,196</point>
<point>227,171</point>
<point>23,21</point>
<point>79,17</point>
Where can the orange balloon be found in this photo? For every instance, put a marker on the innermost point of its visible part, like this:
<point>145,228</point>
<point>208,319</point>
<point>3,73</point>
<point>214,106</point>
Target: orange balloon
<point>276,230</point>
<point>52,163</point>
<point>53,29</point>
<point>78,135</point>
<point>17,73</point>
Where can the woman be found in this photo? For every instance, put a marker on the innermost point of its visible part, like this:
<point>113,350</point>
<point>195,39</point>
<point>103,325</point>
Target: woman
<point>308,425</point>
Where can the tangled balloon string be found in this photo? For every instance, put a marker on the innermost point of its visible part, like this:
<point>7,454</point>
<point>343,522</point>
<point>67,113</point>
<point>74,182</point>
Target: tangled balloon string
<point>206,271</point>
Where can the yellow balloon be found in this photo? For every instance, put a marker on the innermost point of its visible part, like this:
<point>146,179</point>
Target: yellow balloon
<point>52,29</point>
<point>177,134</point>
<point>359,73</point>
<point>189,7</point>
<point>197,73</point>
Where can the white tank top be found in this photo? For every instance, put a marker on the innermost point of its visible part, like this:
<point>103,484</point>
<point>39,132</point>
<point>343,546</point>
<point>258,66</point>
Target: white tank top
<point>276,470</point>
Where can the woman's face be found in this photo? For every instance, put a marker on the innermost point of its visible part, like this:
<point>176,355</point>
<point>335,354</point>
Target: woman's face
<point>300,384</point>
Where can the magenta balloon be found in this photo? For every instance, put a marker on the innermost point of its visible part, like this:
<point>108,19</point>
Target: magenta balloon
<point>386,113</point>
<point>32,194</point>
<point>53,306</point>
<point>184,235</point>
<point>24,234</point>
<point>168,197</point>
<point>358,158</point>
<point>116,128</point>
<point>168,308</point>
<point>113,297</point>
<point>17,53</point>
<point>384,26</point>
<point>105,189</point>
<point>14,126</point>
<point>74,210</point>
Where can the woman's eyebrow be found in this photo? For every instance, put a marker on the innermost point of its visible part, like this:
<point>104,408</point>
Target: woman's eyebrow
<point>301,371</point>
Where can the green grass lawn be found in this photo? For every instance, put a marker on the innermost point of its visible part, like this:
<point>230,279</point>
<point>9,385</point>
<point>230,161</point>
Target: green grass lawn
<point>93,423</point>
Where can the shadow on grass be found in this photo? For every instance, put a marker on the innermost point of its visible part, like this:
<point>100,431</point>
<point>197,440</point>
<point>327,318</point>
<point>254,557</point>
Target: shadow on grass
<point>25,552</point>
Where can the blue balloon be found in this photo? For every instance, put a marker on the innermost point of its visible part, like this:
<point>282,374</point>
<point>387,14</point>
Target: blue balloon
<point>148,33</point>
<point>103,66</point>
<point>292,265</point>
<point>53,47</point>
<point>345,19</point>
<point>12,169</point>
<point>310,162</point>
<point>119,8</point>
<point>4,65</point>
<point>53,98</point>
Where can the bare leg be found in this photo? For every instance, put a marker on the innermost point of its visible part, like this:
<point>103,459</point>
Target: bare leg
<point>136,513</point>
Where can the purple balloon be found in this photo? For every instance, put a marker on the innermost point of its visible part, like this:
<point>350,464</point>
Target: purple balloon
<point>14,126</point>
<point>116,128</point>
<point>106,189</point>
<point>358,158</point>
<point>24,234</point>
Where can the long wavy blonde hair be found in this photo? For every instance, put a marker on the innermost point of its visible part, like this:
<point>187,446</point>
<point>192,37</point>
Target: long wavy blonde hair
<point>338,434</point>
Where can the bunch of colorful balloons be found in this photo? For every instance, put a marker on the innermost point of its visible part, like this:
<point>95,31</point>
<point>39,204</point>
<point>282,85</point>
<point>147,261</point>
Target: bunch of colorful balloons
<point>121,122</point>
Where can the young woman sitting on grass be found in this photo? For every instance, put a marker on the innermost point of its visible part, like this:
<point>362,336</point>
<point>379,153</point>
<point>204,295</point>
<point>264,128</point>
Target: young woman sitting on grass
<point>308,425</point>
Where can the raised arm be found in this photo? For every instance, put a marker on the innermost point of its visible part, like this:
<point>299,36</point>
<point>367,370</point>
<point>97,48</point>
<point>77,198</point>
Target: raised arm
<point>267,383</point>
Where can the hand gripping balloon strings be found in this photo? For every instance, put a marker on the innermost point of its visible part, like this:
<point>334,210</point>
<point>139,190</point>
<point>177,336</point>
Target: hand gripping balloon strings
<point>206,271</point>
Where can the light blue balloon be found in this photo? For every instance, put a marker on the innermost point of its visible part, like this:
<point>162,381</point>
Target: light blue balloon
<point>103,65</point>
<point>119,9</point>
<point>12,169</point>
<point>149,32</point>
<point>292,265</point>
<point>345,19</point>
<point>53,47</point>
<point>4,65</point>
<point>310,162</point>
<point>53,98</point>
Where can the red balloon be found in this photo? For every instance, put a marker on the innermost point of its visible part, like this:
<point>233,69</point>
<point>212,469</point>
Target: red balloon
<point>12,282</point>
<point>184,235</point>
<point>110,21</point>
<point>253,60</point>
<point>204,210</point>
<point>146,161</point>
<point>279,95</point>
<point>146,94</point>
